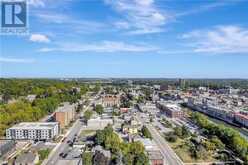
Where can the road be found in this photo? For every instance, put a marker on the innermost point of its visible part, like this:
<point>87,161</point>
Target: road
<point>170,156</point>
<point>63,146</point>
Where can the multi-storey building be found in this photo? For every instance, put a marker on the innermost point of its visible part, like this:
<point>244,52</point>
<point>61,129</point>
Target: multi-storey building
<point>171,110</point>
<point>65,114</point>
<point>242,119</point>
<point>110,100</point>
<point>33,131</point>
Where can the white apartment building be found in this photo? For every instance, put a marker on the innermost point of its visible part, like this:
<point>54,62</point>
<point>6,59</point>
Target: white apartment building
<point>33,131</point>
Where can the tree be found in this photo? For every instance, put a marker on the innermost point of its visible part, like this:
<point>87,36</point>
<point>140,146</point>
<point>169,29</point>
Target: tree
<point>6,97</point>
<point>99,109</point>
<point>87,158</point>
<point>171,137</point>
<point>217,142</point>
<point>43,154</point>
<point>185,132</point>
<point>100,137</point>
<point>141,159</point>
<point>146,133</point>
<point>87,115</point>
<point>178,131</point>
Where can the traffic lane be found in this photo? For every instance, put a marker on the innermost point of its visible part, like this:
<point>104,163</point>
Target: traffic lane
<point>64,146</point>
<point>169,154</point>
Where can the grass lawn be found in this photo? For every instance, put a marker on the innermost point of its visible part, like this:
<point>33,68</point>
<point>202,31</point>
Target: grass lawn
<point>86,133</point>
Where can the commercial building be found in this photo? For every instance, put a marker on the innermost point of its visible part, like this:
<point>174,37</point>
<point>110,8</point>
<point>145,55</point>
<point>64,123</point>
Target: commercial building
<point>99,123</point>
<point>222,111</point>
<point>170,109</point>
<point>154,155</point>
<point>65,114</point>
<point>33,131</point>
<point>110,100</point>
<point>242,119</point>
<point>148,107</point>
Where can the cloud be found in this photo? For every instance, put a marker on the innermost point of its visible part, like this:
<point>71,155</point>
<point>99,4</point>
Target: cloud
<point>16,60</point>
<point>39,38</point>
<point>53,17</point>
<point>36,3</point>
<point>139,17</point>
<point>105,46</point>
<point>204,8</point>
<point>67,24</point>
<point>220,39</point>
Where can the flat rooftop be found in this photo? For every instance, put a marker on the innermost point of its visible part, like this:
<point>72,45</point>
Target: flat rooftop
<point>66,107</point>
<point>35,125</point>
<point>171,106</point>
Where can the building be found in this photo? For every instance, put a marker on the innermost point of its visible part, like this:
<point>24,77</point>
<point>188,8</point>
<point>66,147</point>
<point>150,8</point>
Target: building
<point>130,129</point>
<point>242,119</point>
<point>6,146</point>
<point>99,123</point>
<point>111,100</point>
<point>171,110</point>
<point>33,131</point>
<point>65,114</point>
<point>148,107</point>
<point>154,155</point>
<point>31,98</point>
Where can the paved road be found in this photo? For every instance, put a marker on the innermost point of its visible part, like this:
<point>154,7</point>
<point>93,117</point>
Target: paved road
<point>63,146</point>
<point>170,156</point>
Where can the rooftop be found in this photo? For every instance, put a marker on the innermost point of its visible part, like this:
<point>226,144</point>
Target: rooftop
<point>35,125</point>
<point>155,155</point>
<point>66,106</point>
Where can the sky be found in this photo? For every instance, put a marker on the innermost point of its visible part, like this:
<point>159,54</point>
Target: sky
<point>130,38</point>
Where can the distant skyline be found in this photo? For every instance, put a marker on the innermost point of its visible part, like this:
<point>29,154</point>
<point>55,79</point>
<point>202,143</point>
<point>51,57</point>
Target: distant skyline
<point>130,39</point>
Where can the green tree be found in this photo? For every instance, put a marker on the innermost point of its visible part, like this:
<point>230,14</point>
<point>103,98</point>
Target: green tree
<point>87,158</point>
<point>146,133</point>
<point>43,154</point>
<point>87,115</point>
<point>141,159</point>
<point>99,109</point>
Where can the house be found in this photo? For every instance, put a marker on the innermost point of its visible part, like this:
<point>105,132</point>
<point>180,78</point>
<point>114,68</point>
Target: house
<point>129,129</point>
<point>31,98</point>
